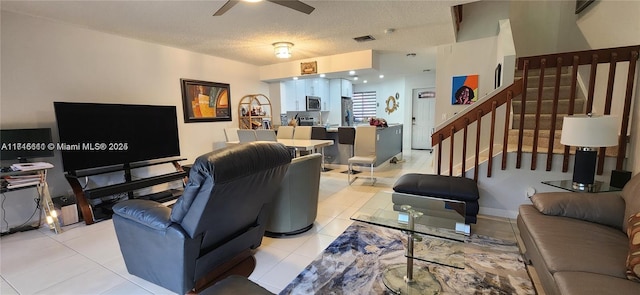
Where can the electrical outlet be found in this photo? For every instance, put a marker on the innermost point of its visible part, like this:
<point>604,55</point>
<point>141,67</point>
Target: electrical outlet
<point>530,192</point>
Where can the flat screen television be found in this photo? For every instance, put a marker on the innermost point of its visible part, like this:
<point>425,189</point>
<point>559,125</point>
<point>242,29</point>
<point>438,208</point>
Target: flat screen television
<point>25,144</point>
<point>96,135</point>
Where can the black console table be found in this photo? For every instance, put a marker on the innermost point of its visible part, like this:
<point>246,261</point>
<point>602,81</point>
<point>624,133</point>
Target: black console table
<point>128,186</point>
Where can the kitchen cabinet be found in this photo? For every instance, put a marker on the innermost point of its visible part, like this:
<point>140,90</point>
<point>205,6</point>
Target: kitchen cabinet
<point>295,91</point>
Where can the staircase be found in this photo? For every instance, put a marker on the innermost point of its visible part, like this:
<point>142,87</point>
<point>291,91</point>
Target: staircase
<point>546,110</point>
<point>548,85</point>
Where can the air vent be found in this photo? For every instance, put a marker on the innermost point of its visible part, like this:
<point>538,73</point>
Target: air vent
<point>364,38</point>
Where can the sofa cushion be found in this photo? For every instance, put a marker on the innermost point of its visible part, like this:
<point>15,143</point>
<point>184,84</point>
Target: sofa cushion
<point>631,196</point>
<point>569,244</point>
<point>580,283</point>
<point>607,209</point>
<point>633,259</point>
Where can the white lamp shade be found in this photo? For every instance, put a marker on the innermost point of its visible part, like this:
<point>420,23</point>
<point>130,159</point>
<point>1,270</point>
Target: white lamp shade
<point>589,131</point>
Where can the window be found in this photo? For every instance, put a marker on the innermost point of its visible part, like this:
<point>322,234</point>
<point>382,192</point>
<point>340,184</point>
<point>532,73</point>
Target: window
<point>364,105</point>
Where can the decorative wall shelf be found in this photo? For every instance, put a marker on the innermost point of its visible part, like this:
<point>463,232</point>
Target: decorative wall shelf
<point>254,112</point>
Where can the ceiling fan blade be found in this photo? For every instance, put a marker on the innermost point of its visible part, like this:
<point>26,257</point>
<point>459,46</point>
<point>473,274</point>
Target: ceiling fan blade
<point>225,7</point>
<point>294,4</point>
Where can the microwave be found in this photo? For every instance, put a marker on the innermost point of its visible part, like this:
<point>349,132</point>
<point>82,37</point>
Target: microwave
<point>313,103</point>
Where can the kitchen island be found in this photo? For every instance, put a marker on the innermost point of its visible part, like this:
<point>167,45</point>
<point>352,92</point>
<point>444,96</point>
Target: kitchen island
<point>388,145</point>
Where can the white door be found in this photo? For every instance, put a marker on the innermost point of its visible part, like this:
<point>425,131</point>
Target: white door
<point>423,118</point>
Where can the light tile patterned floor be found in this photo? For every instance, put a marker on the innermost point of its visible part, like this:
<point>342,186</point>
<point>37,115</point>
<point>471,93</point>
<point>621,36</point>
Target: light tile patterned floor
<point>87,260</point>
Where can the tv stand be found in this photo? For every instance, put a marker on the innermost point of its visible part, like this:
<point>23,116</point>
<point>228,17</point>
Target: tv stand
<point>92,214</point>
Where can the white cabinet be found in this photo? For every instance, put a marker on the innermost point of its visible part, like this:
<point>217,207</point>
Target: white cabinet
<point>295,91</point>
<point>346,88</point>
<point>292,96</point>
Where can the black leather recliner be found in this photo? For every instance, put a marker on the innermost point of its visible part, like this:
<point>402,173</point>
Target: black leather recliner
<point>221,214</point>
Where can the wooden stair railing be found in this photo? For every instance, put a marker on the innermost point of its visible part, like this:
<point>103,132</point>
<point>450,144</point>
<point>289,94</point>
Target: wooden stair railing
<point>590,58</point>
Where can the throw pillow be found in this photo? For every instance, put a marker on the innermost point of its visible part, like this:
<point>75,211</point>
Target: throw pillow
<point>633,259</point>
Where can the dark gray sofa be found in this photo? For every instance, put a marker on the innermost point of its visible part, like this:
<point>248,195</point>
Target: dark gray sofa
<point>577,242</point>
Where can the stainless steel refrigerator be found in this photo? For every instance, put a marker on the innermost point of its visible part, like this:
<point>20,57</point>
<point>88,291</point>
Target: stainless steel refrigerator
<point>347,111</point>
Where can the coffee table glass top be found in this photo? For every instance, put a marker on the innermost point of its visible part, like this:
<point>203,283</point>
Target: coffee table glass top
<point>433,217</point>
<point>439,218</point>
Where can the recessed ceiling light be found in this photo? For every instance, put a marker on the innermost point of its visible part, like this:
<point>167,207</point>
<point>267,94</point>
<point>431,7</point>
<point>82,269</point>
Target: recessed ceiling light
<point>381,76</point>
<point>355,78</point>
<point>352,73</point>
<point>322,75</point>
<point>389,31</point>
<point>295,78</point>
<point>365,81</point>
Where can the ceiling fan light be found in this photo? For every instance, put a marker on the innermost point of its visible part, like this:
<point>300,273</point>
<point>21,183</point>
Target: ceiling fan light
<point>282,49</point>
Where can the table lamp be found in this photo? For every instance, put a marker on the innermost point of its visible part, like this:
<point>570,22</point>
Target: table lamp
<point>587,133</point>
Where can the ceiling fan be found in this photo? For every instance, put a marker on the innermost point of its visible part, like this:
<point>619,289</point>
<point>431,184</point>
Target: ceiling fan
<point>293,4</point>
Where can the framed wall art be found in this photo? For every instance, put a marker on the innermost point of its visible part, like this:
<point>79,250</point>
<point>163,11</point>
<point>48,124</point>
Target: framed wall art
<point>205,101</point>
<point>308,68</point>
<point>465,89</point>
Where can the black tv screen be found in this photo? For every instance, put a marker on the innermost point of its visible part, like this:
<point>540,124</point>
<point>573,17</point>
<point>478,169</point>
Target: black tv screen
<point>97,135</point>
<point>24,144</point>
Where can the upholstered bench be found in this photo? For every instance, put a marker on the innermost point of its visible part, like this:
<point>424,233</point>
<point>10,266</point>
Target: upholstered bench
<point>440,186</point>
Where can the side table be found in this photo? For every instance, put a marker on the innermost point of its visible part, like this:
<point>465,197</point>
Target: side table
<point>598,186</point>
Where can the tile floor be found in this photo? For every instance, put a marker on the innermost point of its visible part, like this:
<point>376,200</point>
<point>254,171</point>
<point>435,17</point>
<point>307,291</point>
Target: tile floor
<point>87,260</point>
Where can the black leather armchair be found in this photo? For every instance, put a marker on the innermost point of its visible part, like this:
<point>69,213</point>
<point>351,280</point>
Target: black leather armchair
<point>221,214</point>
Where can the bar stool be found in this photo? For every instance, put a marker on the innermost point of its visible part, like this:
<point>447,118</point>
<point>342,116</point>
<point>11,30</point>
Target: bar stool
<point>321,134</point>
<point>347,135</point>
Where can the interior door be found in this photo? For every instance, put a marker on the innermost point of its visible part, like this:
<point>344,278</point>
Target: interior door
<point>423,118</point>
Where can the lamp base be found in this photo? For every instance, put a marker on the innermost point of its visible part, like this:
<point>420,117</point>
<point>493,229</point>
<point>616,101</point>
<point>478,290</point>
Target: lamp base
<point>584,168</point>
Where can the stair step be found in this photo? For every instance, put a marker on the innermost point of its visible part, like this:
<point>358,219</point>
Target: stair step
<point>547,72</point>
<point>547,106</point>
<point>564,92</point>
<point>543,142</point>
<point>544,123</point>
<point>549,79</point>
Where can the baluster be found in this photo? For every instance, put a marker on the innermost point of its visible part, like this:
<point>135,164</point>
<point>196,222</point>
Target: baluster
<point>554,114</point>
<point>505,141</point>
<point>592,83</point>
<point>536,130</point>
<point>464,148</point>
<point>452,134</point>
<point>607,106</point>
<point>622,141</point>
<point>491,137</point>
<point>477,158</point>
<point>572,101</point>
<point>439,166</point>
<point>523,98</point>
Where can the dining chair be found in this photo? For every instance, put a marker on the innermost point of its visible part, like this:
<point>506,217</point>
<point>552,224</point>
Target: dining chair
<point>231,134</point>
<point>285,132</point>
<point>302,132</point>
<point>364,151</point>
<point>320,133</point>
<point>266,135</point>
<point>246,135</point>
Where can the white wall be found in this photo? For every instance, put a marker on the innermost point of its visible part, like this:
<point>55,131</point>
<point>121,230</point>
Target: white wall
<point>404,87</point>
<point>45,61</point>
<point>459,59</point>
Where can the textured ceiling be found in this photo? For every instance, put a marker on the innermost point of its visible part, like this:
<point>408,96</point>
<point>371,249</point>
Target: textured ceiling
<point>245,33</point>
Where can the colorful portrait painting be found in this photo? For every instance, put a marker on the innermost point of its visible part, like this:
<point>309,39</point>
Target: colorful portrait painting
<point>465,89</point>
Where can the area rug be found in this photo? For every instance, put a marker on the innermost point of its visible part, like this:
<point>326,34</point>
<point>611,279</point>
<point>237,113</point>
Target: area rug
<point>355,261</point>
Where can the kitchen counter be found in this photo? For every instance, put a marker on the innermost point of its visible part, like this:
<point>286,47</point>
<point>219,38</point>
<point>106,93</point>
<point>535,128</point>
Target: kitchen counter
<point>388,145</point>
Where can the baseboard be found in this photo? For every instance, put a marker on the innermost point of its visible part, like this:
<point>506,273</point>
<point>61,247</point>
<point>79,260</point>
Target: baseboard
<point>498,212</point>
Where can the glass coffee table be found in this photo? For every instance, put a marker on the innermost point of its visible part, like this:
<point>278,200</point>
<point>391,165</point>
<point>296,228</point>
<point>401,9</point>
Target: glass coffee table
<point>419,217</point>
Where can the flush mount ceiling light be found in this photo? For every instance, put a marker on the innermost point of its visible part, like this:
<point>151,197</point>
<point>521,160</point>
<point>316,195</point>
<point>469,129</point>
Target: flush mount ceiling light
<point>282,49</point>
